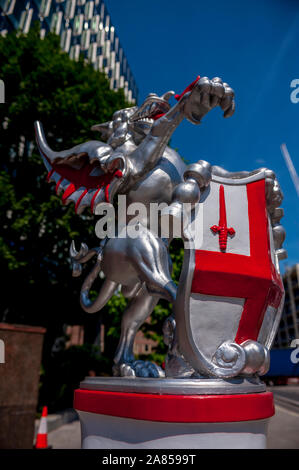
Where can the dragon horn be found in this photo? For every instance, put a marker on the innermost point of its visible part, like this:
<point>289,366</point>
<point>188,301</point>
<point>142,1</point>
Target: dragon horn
<point>49,154</point>
<point>168,95</point>
<point>105,129</point>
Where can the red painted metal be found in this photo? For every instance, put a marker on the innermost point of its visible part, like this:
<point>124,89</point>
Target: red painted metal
<point>81,178</point>
<point>68,192</point>
<point>49,175</point>
<point>176,408</point>
<point>157,116</point>
<point>94,197</point>
<point>222,228</point>
<point>178,97</point>
<point>58,184</point>
<point>80,199</point>
<point>189,88</point>
<point>253,277</point>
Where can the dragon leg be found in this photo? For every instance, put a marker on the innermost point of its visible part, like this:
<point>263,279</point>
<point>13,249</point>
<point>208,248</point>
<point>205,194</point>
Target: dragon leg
<point>134,316</point>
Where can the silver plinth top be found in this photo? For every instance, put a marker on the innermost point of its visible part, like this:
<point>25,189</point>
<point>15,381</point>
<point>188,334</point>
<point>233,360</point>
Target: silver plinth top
<point>168,386</point>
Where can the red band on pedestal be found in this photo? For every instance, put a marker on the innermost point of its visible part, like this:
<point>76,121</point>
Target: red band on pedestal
<point>176,408</point>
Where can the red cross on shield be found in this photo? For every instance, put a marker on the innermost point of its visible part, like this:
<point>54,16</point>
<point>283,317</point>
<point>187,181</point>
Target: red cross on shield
<point>233,292</point>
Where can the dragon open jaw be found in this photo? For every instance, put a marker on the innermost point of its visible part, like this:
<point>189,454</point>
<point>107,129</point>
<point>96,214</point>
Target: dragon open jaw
<point>152,109</point>
<point>79,177</point>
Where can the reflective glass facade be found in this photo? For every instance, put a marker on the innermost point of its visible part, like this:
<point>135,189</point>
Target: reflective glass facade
<point>84,27</point>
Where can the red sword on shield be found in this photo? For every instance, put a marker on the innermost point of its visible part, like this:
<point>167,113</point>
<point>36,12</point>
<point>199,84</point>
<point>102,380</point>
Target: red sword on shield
<point>222,228</point>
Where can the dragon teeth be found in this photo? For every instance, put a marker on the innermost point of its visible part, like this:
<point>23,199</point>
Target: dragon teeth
<point>99,196</point>
<point>152,108</point>
<point>55,177</point>
<point>85,201</point>
<point>75,195</point>
<point>61,187</point>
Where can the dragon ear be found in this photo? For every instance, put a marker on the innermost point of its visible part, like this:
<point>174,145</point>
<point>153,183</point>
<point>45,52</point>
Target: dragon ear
<point>105,129</point>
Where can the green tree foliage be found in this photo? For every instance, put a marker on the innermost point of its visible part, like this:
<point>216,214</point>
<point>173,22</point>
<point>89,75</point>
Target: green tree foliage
<point>42,83</point>
<point>68,97</point>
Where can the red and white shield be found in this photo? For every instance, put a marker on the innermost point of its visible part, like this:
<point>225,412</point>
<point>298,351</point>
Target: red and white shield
<point>230,288</point>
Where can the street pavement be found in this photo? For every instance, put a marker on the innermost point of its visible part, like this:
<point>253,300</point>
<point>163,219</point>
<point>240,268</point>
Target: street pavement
<point>67,436</point>
<point>283,431</point>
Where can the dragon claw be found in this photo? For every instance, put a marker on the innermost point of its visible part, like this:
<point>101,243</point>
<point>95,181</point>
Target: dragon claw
<point>77,255</point>
<point>73,251</point>
<point>138,369</point>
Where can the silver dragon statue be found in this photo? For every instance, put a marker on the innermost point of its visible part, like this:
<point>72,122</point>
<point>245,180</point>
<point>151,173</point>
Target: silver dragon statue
<point>229,299</point>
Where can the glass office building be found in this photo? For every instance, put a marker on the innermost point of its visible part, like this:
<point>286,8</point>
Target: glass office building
<point>84,27</point>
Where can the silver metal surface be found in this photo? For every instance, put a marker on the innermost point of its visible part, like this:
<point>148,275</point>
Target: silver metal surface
<point>238,385</point>
<point>270,326</point>
<point>207,327</point>
<point>137,163</point>
<point>236,178</point>
<point>151,171</point>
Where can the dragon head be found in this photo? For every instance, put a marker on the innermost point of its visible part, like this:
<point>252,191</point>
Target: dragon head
<point>135,122</point>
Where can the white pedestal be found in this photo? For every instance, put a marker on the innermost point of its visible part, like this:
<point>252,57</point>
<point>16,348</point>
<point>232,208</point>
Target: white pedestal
<point>127,420</point>
<point>110,432</point>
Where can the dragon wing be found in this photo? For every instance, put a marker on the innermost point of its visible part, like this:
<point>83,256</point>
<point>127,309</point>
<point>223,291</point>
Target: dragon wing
<point>81,173</point>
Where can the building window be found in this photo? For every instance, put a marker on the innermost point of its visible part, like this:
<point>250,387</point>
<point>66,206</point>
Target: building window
<point>88,11</point>
<point>107,23</point>
<point>25,20</point>
<point>112,60</point>
<point>78,24</point>
<point>44,9</point>
<point>100,62</point>
<point>75,52</point>
<point>85,39</point>
<point>117,70</point>
<point>102,11</point>
<point>66,40</point>
<point>112,34</point>
<point>9,7</point>
<point>70,9</point>
<point>107,49</point>
<point>92,52</point>
<point>116,44</point>
<point>56,22</point>
<point>94,25</point>
<point>101,38</point>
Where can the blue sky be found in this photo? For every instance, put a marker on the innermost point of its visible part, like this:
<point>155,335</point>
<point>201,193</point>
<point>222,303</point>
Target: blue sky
<point>252,45</point>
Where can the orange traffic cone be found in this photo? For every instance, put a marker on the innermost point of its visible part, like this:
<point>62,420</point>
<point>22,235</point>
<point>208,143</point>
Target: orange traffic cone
<point>42,433</point>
